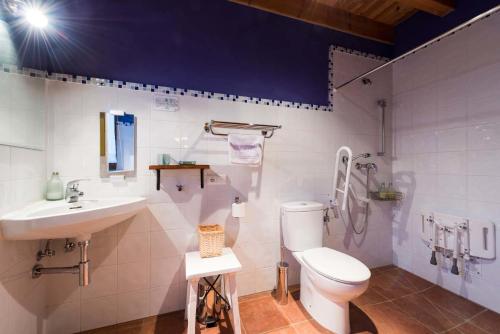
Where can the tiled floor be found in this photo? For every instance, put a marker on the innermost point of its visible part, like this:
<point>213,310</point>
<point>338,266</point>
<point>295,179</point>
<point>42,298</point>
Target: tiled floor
<point>396,302</point>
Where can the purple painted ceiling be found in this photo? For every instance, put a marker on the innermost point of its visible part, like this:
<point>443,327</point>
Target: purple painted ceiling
<point>211,45</point>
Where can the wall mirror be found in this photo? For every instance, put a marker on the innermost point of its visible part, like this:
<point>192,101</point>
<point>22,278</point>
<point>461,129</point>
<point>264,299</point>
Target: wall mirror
<point>118,131</point>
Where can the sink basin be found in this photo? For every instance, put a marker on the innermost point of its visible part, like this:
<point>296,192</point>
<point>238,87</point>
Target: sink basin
<point>59,219</point>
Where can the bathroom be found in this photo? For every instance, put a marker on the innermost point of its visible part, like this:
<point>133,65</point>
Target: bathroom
<point>396,166</point>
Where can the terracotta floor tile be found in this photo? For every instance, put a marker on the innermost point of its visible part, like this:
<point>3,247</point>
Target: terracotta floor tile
<point>254,296</point>
<point>167,323</point>
<point>389,286</point>
<point>433,310</point>
<point>381,269</point>
<point>468,328</point>
<point>451,302</point>
<point>294,311</point>
<point>261,316</point>
<point>359,321</point>
<point>286,330</point>
<point>371,296</point>
<point>310,327</point>
<point>429,314</point>
<point>489,321</point>
<point>389,320</point>
<point>406,278</point>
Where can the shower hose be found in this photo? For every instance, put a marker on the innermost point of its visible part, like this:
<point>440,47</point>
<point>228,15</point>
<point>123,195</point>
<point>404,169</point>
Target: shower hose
<point>365,220</point>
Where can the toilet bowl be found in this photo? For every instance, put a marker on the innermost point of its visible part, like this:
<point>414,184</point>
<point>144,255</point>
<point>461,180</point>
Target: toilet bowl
<point>329,279</point>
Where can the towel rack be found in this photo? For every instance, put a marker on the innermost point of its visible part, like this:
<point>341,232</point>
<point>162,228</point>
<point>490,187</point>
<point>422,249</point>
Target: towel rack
<point>267,130</point>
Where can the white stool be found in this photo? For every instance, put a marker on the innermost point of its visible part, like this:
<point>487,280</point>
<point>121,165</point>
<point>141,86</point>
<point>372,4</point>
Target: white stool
<point>196,267</point>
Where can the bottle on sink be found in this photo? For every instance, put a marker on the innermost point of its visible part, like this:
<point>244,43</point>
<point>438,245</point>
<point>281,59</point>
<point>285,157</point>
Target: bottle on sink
<point>55,188</point>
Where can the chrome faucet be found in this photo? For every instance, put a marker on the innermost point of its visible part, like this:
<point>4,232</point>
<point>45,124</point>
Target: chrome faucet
<point>72,192</point>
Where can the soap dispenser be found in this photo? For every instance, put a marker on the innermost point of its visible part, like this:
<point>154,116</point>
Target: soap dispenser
<point>55,188</point>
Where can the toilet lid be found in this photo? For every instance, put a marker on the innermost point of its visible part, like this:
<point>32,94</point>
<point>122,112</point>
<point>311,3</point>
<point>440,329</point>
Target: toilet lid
<point>336,265</point>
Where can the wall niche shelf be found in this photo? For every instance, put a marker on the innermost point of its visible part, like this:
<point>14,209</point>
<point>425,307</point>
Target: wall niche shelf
<point>159,168</point>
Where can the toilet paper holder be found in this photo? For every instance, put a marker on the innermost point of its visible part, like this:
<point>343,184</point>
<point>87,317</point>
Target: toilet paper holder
<point>238,208</point>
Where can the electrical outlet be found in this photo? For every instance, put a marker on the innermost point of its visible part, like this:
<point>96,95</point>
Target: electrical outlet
<point>213,179</point>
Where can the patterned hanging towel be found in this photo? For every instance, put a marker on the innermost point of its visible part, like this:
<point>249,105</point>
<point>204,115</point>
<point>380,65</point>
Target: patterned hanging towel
<point>245,149</point>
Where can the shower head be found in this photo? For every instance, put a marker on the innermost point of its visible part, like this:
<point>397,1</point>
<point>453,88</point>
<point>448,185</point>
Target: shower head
<point>366,81</point>
<point>361,155</point>
<point>345,159</point>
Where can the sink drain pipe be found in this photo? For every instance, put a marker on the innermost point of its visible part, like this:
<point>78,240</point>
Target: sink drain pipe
<point>82,268</point>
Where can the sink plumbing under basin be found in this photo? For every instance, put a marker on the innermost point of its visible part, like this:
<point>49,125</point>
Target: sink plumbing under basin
<point>59,219</point>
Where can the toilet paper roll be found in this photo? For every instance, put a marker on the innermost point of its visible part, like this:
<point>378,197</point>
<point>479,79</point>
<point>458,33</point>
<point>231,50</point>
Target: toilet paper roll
<point>238,210</point>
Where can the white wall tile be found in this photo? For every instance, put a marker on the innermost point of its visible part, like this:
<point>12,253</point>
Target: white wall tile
<point>5,163</point>
<point>99,312</point>
<point>483,188</point>
<point>103,283</point>
<point>133,305</point>
<point>63,318</point>
<point>133,247</point>
<point>425,142</point>
<point>137,266</point>
<point>483,137</point>
<point>133,276</point>
<point>163,299</point>
<point>452,139</point>
<point>452,163</point>
<point>167,271</point>
<point>467,138</point>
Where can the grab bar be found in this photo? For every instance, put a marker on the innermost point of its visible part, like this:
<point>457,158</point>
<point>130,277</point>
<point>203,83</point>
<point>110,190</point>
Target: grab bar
<point>345,190</point>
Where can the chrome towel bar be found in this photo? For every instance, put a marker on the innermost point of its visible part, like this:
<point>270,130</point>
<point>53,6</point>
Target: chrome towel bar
<point>267,130</point>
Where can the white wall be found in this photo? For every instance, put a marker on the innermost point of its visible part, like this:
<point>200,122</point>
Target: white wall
<point>22,110</point>
<point>22,176</point>
<point>447,148</point>
<point>138,265</point>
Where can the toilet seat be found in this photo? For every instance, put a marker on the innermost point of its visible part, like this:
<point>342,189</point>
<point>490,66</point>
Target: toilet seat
<point>336,265</point>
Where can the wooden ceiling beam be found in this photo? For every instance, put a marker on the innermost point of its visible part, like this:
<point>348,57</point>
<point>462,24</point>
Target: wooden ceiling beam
<point>319,13</point>
<point>435,7</point>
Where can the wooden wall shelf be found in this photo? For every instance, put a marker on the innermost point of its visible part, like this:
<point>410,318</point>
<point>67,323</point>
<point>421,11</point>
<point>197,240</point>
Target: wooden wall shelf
<point>159,168</point>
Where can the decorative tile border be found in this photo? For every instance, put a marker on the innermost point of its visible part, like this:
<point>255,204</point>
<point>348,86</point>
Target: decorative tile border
<point>86,80</point>
<point>331,58</point>
<point>357,53</point>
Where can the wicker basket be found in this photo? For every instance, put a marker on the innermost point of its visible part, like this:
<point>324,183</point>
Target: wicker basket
<point>211,238</point>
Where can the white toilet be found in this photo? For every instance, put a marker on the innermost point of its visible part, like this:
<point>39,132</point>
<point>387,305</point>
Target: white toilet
<point>328,279</point>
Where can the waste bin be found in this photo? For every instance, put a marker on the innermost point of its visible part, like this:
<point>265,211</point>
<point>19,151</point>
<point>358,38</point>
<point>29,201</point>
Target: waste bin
<point>209,303</point>
<point>281,291</point>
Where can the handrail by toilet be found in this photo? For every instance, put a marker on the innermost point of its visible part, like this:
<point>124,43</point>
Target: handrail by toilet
<point>345,190</point>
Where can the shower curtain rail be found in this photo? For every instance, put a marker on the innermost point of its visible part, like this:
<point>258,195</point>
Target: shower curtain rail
<point>267,130</point>
<point>422,46</point>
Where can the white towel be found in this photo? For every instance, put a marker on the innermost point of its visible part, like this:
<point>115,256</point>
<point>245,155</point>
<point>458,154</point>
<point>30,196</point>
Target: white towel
<point>245,149</point>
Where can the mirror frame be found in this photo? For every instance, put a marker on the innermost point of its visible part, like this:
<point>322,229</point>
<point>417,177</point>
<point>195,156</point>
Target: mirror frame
<point>104,168</point>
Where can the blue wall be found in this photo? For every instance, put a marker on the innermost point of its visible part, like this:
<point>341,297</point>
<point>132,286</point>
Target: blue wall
<point>422,27</point>
<point>211,45</point>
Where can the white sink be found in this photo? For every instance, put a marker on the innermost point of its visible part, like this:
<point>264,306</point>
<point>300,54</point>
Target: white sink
<point>59,219</point>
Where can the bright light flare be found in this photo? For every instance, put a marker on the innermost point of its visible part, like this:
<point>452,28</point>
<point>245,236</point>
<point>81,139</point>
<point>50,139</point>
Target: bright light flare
<point>36,17</point>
